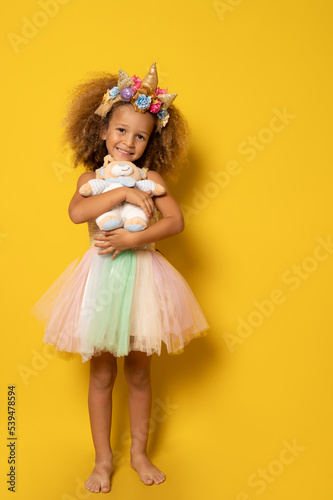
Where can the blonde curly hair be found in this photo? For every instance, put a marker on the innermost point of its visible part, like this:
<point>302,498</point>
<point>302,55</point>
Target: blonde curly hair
<point>165,151</point>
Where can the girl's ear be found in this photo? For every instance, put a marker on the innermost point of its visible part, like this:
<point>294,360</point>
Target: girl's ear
<point>103,131</point>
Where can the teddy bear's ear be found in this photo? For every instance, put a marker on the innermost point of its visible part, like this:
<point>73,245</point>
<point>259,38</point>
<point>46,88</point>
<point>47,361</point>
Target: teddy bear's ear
<point>107,159</point>
<point>144,171</point>
<point>99,173</point>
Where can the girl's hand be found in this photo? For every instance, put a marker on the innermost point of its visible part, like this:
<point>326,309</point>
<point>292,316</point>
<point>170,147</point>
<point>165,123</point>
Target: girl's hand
<point>141,199</point>
<point>115,241</point>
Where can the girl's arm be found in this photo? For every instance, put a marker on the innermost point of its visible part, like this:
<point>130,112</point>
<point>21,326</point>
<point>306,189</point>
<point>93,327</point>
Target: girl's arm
<point>83,209</point>
<point>172,223</point>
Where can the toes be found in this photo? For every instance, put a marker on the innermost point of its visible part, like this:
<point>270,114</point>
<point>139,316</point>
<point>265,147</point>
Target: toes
<point>99,480</point>
<point>95,486</point>
<point>92,487</point>
<point>147,480</point>
<point>105,487</point>
<point>159,478</point>
<point>88,484</point>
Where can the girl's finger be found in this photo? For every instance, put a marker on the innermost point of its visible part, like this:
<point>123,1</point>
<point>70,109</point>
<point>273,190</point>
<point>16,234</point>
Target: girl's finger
<point>116,252</point>
<point>106,250</point>
<point>148,208</point>
<point>100,238</point>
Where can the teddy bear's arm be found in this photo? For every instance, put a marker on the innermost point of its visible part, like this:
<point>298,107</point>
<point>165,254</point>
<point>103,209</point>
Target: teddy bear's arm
<point>146,185</point>
<point>92,187</point>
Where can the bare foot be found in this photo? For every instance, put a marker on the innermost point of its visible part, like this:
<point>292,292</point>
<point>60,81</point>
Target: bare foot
<point>99,479</point>
<point>149,474</point>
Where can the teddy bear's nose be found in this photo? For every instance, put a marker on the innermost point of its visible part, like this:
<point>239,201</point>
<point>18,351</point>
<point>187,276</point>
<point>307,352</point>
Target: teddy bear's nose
<point>121,169</point>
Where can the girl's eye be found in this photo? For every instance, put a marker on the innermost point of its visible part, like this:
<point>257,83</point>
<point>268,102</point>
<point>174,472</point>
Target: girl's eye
<point>140,136</point>
<point>121,129</point>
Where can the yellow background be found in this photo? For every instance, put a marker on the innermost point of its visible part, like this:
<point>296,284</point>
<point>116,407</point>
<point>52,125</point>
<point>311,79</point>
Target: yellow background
<point>229,407</point>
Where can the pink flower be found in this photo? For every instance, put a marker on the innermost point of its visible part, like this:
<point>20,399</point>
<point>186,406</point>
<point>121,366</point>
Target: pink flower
<point>154,108</point>
<point>160,91</point>
<point>137,82</point>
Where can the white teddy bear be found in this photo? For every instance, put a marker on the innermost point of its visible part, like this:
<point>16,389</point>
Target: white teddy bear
<point>115,174</point>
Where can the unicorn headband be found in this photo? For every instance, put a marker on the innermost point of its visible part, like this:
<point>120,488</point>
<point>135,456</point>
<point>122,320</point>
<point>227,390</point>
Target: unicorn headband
<point>144,95</point>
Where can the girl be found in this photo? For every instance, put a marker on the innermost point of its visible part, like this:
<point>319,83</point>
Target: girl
<point>122,298</point>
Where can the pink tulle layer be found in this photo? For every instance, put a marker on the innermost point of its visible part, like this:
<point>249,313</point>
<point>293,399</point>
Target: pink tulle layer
<point>135,302</point>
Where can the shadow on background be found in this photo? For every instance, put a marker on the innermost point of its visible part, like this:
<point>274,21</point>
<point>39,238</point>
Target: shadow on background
<point>171,371</point>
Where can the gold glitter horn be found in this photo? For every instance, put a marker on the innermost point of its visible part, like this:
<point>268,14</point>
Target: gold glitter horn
<point>150,81</point>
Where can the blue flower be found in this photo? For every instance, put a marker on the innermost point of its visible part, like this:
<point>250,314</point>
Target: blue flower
<point>143,101</point>
<point>113,92</point>
<point>162,114</point>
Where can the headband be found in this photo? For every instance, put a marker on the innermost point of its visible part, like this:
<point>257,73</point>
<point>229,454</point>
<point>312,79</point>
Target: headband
<point>144,95</point>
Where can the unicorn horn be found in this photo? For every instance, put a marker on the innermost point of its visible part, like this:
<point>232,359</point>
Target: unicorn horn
<point>150,81</point>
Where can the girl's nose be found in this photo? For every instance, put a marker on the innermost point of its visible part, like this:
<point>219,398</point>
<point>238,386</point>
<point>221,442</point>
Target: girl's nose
<point>129,141</point>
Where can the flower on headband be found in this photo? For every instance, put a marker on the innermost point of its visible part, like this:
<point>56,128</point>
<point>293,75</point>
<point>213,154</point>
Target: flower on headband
<point>154,108</point>
<point>164,117</point>
<point>163,114</point>
<point>113,92</point>
<point>137,82</point>
<point>160,91</point>
<point>106,96</point>
<point>143,101</point>
<point>126,94</point>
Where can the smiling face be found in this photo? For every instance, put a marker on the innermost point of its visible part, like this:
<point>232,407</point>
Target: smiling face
<point>128,133</point>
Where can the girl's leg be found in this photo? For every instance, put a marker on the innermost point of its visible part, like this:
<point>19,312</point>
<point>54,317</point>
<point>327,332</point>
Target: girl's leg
<point>103,371</point>
<point>137,373</point>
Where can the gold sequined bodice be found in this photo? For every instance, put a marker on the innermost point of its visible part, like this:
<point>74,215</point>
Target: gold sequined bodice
<point>93,230</point>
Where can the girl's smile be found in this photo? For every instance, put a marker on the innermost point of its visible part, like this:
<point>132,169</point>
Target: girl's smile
<point>125,153</point>
<point>128,133</point>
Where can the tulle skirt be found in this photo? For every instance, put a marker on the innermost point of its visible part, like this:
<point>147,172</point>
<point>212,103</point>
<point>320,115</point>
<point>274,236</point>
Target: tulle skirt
<point>135,302</point>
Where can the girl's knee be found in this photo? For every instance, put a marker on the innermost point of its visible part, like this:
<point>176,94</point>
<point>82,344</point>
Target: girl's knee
<point>137,370</point>
<point>137,377</point>
<point>102,380</point>
<point>103,373</point>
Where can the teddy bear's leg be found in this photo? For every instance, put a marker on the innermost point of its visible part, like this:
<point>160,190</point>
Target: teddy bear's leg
<point>134,217</point>
<point>135,224</point>
<point>109,221</point>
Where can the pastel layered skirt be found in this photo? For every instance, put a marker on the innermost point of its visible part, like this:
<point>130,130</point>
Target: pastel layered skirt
<point>135,302</point>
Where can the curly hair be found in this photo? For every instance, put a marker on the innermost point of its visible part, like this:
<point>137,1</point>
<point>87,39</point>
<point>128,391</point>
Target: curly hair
<point>165,151</point>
